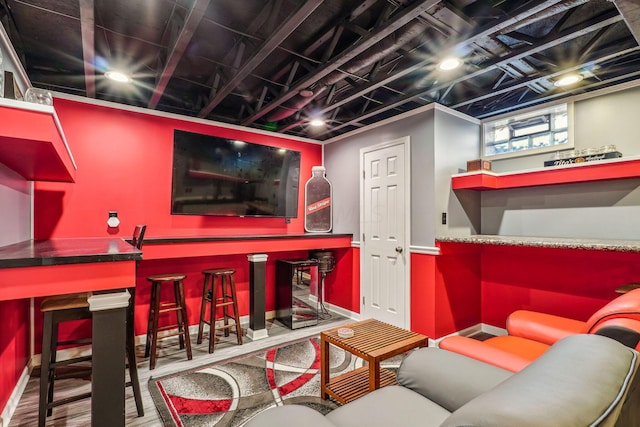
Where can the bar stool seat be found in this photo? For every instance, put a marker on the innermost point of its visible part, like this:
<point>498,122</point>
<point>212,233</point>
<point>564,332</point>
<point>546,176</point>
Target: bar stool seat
<point>64,308</point>
<point>158,308</point>
<point>219,291</point>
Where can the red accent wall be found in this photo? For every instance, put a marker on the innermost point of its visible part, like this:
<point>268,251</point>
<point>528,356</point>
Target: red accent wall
<point>445,291</point>
<point>566,282</point>
<point>14,345</point>
<point>125,164</point>
<point>342,285</point>
<point>473,284</point>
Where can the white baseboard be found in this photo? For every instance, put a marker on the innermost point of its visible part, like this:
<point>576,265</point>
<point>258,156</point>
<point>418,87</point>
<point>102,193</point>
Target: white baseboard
<point>343,312</point>
<point>12,403</point>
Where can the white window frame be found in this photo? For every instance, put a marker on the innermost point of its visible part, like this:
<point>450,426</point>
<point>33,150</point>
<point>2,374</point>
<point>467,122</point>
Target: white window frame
<point>527,113</point>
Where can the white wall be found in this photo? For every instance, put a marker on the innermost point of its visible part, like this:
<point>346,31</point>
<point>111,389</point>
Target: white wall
<point>441,141</point>
<point>457,140</point>
<point>15,207</point>
<point>606,210</point>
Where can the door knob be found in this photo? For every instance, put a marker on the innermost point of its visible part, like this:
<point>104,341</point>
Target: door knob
<point>399,249</point>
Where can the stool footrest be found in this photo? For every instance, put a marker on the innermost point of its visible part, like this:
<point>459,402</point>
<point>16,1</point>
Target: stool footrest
<point>79,373</point>
<point>72,361</point>
<point>68,400</point>
<point>170,328</point>
<point>169,310</point>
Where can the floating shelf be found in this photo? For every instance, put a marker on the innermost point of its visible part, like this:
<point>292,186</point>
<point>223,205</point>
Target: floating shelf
<point>575,173</point>
<point>32,142</point>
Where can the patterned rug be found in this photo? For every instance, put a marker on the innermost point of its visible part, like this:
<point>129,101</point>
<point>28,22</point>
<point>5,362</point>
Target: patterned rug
<point>231,392</point>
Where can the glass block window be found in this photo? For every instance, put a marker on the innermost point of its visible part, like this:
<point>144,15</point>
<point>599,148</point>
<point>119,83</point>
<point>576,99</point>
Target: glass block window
<point>540,130</point>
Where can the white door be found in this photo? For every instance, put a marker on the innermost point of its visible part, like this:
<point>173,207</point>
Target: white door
<point>384,232</point>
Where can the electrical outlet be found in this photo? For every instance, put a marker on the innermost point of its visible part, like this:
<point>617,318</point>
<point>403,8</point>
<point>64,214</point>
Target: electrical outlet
<point>113,220</point>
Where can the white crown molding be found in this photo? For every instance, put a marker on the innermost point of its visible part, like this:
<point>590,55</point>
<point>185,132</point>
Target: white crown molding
<point>175,116</point>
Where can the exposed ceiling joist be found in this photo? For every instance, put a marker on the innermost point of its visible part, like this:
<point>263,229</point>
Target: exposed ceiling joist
<point>87,29</point>
<point>398,21</point>
<point>177,50</point>
<point>278,36</point>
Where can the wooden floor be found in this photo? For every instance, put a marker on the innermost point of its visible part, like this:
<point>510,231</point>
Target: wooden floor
<point>171,360</point>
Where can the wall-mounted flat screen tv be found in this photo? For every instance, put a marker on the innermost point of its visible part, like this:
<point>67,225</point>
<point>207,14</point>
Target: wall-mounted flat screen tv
<point>219,176</point>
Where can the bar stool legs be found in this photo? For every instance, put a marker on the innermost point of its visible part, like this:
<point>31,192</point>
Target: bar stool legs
<point>219,291</point>
<point>63,308</point>
<point>158,308</point>
<point>132,362</point>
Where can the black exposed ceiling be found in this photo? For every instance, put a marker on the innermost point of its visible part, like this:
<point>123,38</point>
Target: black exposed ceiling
<point>274,64</point>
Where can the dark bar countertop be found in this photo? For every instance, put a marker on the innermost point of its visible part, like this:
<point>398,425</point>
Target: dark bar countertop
<point>32,253</point>
<point>549,242</point>
<point>194,239</point>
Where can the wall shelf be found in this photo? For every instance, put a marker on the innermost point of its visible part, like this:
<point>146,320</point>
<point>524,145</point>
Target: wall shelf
<point>575,173</point>
<point>32,142</point>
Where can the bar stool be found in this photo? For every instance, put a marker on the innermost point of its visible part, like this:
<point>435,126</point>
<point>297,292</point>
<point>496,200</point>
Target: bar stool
<point>219,294</point>
<point>64,308</point>
<point>157,308</point>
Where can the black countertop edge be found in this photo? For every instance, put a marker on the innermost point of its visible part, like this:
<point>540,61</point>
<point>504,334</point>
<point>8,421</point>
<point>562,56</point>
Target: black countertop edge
<point>195,239</point>
<point>39,253</point>
<point>549,242</point>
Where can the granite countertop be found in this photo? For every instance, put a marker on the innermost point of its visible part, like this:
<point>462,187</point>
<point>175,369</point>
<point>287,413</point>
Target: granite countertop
<point>549,242</point>
<point>31,253</point>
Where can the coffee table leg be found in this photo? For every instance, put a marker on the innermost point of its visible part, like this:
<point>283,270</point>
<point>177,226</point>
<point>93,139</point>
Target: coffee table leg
<point>324,367</point>
<point>374,375</point>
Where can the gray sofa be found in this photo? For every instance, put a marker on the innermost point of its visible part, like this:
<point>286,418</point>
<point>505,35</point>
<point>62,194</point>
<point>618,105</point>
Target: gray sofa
<point>582,380</point>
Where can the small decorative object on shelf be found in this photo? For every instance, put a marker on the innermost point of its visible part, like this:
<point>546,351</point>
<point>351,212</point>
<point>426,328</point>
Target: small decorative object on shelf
<point>478,164</point>
<point>38,96</point>
<point>568,157</point>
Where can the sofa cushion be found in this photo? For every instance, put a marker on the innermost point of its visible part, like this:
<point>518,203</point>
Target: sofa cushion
<point>389,406</point>
<point>449,379</point>
<point>286,415</point>
<point>581,380</point>
<point>512,359</point>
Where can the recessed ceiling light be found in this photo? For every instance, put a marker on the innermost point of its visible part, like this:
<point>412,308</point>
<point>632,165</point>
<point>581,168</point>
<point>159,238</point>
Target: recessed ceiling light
<point>449,64</point>
<point>117,76</point>
<point>568,80</point>
<point>316,122</point>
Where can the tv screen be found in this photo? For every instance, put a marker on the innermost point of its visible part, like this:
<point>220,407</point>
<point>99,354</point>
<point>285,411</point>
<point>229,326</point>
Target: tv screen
<point>219,176</point>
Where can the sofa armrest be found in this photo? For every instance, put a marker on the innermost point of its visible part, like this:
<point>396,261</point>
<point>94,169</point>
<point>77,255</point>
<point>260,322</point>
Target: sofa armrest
<point>512,361</point>
<point>447,378</point>
<point>542,327</point>
<point>298,415</point>
<point>625,331</point>
<point>582,380</point>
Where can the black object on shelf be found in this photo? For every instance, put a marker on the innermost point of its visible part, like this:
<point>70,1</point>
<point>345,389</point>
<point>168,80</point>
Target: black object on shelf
<point>583,159</point>
<point>296,293</point>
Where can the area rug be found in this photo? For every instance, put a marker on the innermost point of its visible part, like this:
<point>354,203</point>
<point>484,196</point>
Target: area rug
<point>231,392</point>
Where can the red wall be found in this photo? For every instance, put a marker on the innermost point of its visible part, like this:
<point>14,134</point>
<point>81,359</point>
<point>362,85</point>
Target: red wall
<point>473,284</point>
<point>125,164</point>
<point>14,345</point>
<point>445,291</point>
<point>566,282</point>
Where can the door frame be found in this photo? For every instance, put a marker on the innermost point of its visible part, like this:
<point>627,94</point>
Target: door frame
<point>405,141</point>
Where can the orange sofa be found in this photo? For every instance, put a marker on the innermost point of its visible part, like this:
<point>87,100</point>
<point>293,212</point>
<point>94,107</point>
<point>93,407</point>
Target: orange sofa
<point>531,333</point>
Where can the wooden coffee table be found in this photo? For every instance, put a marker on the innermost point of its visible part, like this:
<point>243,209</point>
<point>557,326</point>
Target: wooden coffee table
<point>373,341</point>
